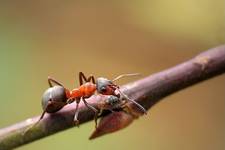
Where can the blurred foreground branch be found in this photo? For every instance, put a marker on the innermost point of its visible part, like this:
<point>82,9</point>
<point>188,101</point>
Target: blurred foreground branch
<point>146,91</point>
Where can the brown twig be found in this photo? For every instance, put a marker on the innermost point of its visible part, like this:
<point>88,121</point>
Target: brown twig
<point>147,92</point>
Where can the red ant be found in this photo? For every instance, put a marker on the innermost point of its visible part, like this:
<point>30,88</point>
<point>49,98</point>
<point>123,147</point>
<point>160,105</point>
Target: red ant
<point>56,97</point>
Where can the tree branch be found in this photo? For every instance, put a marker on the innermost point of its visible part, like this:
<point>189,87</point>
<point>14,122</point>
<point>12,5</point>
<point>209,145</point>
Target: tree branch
<point>147,92</point>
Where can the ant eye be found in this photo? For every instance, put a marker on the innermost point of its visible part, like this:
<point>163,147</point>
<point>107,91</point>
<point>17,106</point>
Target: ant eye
<point>103,89</point>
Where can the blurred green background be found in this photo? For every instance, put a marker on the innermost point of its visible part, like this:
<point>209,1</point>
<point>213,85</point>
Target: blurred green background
<point>108,38</point>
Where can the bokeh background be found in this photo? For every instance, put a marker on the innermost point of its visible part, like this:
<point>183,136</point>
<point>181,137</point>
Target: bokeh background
<point>108,38</point>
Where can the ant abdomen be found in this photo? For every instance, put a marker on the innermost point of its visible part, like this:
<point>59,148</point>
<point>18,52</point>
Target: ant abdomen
<point>54,99</point>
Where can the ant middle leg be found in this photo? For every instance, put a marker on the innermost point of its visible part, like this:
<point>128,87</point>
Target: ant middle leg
<point>91,77</point>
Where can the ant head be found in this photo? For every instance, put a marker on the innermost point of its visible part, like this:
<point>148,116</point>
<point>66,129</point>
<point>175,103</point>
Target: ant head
<point>105,86</point>
<point>54,98</point>
<point>112,100</point>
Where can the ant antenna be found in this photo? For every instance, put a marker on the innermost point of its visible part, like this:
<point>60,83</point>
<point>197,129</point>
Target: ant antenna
<point>137,104</point>
<point>125,75</point>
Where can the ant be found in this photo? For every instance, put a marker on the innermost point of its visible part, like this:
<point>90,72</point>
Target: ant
<point>113,104</point>
<point>56,97</point>
<point>110,102</point>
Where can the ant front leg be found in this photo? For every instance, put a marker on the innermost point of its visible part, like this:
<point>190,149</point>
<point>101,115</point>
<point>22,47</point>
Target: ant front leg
<point>93,109</point>
<point>51,80</point>
<point>91,78</point>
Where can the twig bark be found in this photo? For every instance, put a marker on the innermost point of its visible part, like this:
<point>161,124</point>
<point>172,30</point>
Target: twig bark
<point>147,92</point>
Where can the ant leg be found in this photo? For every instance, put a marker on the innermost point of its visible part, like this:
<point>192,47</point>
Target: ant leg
<point>123,105</point>
<point>81,77</point>
<point>96,120</point>
<point>137,104</point>
<point>70,100</point>
<point>100,112</point>
<point>91,78</point>
<point>75,119</point>
<point>125,75</point>
<point>111,110</point>
<point>96,117</point>
<point>51,80</point>
<point>42,115</point>
<point>93,109</point>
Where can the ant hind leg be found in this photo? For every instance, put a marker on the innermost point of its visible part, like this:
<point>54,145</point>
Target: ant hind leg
<point>51,80</point>
<point>91,78</point>
<point>41,117</point>
<point>82,78</point>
